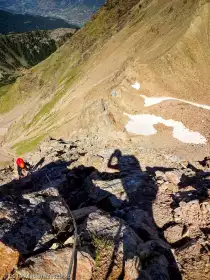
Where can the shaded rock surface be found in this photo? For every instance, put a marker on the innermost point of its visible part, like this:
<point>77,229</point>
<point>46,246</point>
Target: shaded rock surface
<point>133,221</point>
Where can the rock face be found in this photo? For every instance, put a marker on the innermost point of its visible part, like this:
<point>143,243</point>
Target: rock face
<point>131,223</point>
<point>23,51</point>
<point>123,244</point>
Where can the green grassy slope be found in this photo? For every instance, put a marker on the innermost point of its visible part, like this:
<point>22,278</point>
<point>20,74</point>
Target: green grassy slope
<point>53,77</point>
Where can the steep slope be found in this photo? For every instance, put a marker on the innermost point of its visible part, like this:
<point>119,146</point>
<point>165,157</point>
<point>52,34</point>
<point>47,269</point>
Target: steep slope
<point>86,86</point>
<point>23,51</point>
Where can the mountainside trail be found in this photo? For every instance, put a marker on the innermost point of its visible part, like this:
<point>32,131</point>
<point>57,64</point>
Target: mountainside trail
<point>87,87</point>
<point>140,214</point>
<point>128,95</point>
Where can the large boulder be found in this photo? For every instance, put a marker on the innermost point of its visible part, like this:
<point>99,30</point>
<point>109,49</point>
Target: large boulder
<point>121,244</point>
<point>55,264</point>
<point>131,187</point>
<point>32,221</point>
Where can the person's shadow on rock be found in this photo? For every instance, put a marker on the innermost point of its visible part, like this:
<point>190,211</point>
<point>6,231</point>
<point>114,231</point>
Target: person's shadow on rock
<point>133,205</point>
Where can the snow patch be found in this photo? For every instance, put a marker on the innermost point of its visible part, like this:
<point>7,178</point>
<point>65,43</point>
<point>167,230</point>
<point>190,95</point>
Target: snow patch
<point>149,101</point>
<point>144,125</point>
<point>137,86</point>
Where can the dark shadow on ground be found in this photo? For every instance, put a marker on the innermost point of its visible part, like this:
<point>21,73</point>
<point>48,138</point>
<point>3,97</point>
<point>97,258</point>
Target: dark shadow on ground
<point>71,185</point>
<point>199,182</point>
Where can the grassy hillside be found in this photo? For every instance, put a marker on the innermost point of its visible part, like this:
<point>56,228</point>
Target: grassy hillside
<point>164,44</point>
<point>24,50</point>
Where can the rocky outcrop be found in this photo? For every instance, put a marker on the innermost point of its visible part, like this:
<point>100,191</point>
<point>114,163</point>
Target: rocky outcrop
<point>24,50</point>
<point>131,223</point>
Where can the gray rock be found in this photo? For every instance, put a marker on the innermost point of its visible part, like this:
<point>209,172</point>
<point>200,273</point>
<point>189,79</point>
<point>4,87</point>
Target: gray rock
<point>98,190</point>
<point>174,233</point>
<point>31,233</point>
<point>131,187</point>
<point>102,226</point>
<point>160,176</point>
<point>114,202</point>
<point>58,213</point>
<point>152,248</point>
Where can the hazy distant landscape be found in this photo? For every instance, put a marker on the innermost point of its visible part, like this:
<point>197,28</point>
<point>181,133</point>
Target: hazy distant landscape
<point>16,23</point>
<point>73,11</point>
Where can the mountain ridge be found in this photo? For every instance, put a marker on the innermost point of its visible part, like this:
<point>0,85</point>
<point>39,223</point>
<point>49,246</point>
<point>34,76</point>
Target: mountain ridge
<point>114,30</point>
<point>127,97</point>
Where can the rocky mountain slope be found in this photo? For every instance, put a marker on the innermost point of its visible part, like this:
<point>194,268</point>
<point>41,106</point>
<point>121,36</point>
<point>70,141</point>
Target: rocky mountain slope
<point>139,215</point>
<point>99,82</point>
<point>22,51</point>
<point>73,11</point>
<point>130,91</point>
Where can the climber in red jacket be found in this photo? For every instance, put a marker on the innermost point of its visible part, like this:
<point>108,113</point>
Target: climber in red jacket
<point>23,168</point>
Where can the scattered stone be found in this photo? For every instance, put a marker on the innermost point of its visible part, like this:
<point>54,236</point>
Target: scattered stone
<point>124,240</point>
<point>205,162</point>
<point>54,246</point>
<point>173,177</point>
<point>160,177</point>
<point>158,269</point>
<point>58,213</point>
<point>174,233</point>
